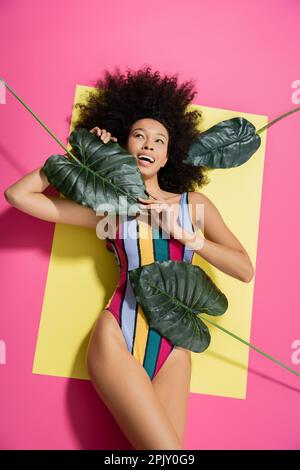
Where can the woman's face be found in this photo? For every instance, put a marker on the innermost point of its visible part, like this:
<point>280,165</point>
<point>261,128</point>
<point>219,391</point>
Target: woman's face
<point>150,138</point>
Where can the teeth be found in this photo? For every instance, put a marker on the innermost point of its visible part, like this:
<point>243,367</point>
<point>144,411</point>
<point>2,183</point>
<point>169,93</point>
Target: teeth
<point>148,158</point>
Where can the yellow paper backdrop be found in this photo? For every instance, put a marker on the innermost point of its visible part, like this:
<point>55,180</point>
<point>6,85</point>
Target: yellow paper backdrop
<point>82,276</point>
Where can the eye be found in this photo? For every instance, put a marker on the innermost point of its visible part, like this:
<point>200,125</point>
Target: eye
<point>137,135</point>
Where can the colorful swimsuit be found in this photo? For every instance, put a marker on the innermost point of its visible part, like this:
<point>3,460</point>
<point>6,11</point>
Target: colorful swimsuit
<point>135,245</point>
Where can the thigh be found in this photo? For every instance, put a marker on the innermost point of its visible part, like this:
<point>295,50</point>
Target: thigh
<point>172,386</point>
<point>126,389</point>
<point>106,335</point>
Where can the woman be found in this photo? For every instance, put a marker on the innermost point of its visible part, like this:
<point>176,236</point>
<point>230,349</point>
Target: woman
<point>142,378</point>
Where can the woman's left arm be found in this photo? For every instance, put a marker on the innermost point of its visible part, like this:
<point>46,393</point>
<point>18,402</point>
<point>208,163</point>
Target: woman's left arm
<point>219,246</point>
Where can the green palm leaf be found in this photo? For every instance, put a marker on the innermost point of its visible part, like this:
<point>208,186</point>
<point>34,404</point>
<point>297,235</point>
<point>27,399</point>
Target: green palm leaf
<point>228,144</point>
<point>104,177</point>
<point>172,293</point>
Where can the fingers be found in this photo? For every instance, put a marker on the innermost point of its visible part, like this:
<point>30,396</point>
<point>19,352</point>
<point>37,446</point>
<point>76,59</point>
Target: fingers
<point>103,134</point>
<point>150,194</point>
<point>146,200</point>
<point>152,199</point>
<point>155,207</point>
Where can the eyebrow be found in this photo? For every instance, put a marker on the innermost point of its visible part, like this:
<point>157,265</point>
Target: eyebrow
<point>142,129</point>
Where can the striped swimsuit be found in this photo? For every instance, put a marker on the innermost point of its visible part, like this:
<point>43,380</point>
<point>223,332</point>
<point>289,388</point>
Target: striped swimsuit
<point>135,245</point>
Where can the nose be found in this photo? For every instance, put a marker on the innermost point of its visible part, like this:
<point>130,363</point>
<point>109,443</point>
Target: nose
<point>147,147</point>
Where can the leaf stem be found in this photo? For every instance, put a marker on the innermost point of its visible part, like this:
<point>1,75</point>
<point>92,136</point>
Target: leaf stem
<point>44,125</point>
<point>277,119</point>
<point>252,346</point>
<point>53,135</point>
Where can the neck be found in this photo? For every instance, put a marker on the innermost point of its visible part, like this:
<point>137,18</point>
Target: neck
<point>152,185</point>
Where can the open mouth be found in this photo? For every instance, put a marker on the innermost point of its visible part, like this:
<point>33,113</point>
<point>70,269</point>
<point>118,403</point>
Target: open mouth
<point>146,159</point>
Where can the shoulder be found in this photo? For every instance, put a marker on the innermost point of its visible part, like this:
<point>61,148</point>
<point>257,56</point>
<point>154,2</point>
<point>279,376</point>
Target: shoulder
<point>205,215</point>
<point>196,198</point>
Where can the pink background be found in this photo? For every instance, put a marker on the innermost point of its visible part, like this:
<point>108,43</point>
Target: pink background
<point>245,57</point>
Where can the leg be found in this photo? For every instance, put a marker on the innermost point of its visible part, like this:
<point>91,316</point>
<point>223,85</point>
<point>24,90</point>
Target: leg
<point>126,389</point>
<point>172,386</point>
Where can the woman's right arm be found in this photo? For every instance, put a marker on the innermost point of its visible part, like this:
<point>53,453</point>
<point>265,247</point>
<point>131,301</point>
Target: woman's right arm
<point>27,195</point>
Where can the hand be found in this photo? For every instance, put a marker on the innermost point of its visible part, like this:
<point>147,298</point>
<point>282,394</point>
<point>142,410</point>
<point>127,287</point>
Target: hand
<point>103,134</point>
<point>169,210</point>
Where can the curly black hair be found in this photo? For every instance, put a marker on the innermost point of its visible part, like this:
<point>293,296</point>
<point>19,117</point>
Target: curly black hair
<point>119,100</point>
